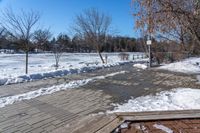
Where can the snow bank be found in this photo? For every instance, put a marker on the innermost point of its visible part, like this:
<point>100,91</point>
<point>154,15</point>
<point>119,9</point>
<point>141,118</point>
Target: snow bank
<point>191,65</point>
<point>45,91</point>
<point>40,66</point>
<point>140,66</point>
<point>177,99</point>
<point>52,74</point>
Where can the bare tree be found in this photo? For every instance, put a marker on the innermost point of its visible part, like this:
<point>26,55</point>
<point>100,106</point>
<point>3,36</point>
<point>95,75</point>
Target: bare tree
<point>21,28</point>
<point>171,19</point>
<point>59,45</point>
<point>57,51</point>
<point>3,34</point>
<point>41,38</point>
<point>93,26</point>
<point>4,42</point>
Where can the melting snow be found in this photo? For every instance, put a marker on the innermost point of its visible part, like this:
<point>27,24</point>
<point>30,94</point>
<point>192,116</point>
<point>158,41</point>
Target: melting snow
<point>141,66</point>
<point>163,128</point>
<point>45,91</point>
<point>176,99</point>
<point>41,65</point>
<point>191,65</point>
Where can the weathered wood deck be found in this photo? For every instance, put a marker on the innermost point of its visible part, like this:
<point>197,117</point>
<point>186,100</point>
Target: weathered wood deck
<point>70,111</point>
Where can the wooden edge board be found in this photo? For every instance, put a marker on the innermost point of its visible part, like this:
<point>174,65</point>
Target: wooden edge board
<point>160,117</point>
<point>157,112</point>
<point>110,126</point>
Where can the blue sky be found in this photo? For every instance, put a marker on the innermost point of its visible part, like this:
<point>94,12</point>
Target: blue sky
<point>58,15</point>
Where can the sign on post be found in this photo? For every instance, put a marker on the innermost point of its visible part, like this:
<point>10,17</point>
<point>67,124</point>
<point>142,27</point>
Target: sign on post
<point>149,42</point>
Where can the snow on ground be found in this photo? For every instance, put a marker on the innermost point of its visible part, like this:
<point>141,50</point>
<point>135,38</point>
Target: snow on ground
<point>45,91</point>
<point>12,66</point>
<point>140,66</point>
<point>191,65</point>
<point>176,99</point>
<point>163,128</point>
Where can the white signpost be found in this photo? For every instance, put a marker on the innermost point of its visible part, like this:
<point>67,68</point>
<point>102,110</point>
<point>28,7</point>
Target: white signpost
<point>149,42</point>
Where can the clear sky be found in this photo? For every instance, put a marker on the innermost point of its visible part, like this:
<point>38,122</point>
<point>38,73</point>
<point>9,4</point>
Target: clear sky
<point>58,15</point>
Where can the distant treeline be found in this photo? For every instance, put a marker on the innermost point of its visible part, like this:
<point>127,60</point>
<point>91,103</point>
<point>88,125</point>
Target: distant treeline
<point>112,44</point>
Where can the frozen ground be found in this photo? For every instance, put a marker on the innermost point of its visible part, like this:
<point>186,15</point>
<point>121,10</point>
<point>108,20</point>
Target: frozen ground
<point>12,66</point>
<point>177,99</point>
<point>191,65</point>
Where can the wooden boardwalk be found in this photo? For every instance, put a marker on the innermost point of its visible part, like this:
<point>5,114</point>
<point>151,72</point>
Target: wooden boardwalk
<point>45,114</point>
<point>72,110</point>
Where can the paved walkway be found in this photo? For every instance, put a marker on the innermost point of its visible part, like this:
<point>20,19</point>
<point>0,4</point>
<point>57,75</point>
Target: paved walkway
<point>56,112</point>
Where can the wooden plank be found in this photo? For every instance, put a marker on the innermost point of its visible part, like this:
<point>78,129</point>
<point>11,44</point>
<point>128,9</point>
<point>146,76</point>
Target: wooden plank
<point>79,124</point>
<point>91,124</point>
<point>94,126</point>
<point>162,115</point>
<point>157,112</point>
<point>111,126</point>
<point>107,120</point>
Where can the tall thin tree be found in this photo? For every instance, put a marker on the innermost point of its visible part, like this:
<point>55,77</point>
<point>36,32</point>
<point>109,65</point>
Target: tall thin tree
<point>21,28</point>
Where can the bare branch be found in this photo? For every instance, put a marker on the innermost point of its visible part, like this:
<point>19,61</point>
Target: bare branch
<point>93,27</point>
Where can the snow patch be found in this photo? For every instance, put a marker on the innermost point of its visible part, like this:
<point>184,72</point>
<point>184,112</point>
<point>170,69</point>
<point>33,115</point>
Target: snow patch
<point>45,91</point>
<point>58,73</point>
<point>140,66</point>
<point>163,128</point>
<point>191,65</point>
<point>176,99</point>
<point>124,125</point>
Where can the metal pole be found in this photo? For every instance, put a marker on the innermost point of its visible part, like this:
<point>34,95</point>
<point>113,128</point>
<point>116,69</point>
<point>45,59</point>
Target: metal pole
<point>149,56</point>
<point>149,30</point>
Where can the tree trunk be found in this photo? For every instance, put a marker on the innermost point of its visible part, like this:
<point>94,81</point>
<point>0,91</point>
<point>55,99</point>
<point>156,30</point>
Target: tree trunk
<point>102,60</point>
<point>57,61</point>
<point>26,62</point>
